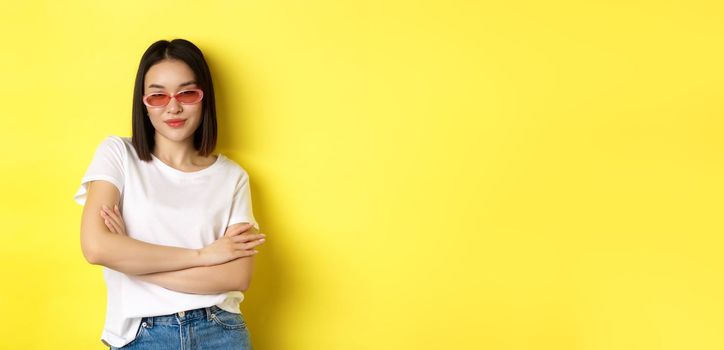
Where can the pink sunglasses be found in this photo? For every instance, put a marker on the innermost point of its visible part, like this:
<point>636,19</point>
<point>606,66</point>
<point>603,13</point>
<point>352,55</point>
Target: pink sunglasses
<point>161,99</point>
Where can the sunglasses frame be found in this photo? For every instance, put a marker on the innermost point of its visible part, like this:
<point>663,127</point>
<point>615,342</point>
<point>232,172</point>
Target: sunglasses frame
<point>145,97</point>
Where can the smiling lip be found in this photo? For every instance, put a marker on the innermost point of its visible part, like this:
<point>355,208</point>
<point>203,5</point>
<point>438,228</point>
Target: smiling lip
<point>175,123</point>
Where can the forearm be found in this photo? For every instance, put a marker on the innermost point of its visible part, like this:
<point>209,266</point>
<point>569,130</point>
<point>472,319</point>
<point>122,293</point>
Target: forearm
<point>133,257</point>
<point>234,275</point>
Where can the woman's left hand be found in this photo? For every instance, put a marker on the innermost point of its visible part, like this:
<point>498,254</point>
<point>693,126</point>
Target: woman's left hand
<point>114,220</point>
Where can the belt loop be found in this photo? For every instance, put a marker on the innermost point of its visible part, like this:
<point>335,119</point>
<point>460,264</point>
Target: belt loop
<point>208,313</point>
<point>148,320</point>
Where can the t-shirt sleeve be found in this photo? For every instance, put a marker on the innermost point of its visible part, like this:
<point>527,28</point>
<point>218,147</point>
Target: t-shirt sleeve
<point>241,204</point>
<point>108,164</point>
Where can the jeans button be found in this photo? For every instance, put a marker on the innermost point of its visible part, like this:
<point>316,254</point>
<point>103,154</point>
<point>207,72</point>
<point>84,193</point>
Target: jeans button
<point>181,314</point>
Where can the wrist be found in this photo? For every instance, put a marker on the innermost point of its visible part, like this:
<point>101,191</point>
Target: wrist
<point>198,257</point>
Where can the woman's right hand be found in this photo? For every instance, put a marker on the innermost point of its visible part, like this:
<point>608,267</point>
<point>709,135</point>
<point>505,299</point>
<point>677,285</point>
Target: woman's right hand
<point>233,245</point>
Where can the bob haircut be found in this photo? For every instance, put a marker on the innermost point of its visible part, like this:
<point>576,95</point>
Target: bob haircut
<point>143,131</point>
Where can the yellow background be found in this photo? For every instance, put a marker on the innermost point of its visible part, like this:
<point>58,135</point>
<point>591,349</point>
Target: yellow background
<point>431,175</point>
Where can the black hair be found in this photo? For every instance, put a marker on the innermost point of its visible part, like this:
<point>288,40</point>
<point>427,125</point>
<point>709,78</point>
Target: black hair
<point>143,131</point>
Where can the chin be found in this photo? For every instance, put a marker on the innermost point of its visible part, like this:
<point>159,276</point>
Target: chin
<point>175,135</point>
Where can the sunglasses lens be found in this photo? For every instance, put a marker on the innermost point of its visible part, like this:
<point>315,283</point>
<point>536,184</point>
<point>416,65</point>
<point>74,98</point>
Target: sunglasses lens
<point>190,96</point>
<point>157,100</point>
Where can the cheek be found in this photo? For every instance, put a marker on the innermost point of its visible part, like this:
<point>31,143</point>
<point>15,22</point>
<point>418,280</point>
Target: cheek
<point>154,115</point>
<point>196,109</point>
<point>195,112</point>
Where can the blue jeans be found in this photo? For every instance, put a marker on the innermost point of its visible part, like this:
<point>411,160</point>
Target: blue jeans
<point>199,329</point>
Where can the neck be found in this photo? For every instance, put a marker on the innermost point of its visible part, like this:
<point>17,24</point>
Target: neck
<point>176,153</point>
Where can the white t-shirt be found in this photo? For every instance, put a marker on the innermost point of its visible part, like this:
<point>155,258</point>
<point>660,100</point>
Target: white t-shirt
<point>163,205</point>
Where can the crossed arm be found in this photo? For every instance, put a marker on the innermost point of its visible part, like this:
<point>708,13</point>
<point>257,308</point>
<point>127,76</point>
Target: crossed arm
<point>174,268</point>
<point>229,276</point>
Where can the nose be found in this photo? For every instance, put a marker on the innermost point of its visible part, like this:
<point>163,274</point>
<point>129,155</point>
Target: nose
<point>174,106</point>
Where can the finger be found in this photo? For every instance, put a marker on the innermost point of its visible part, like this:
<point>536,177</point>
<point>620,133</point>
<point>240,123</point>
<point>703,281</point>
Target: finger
<point>250,231</point>
<point>120,217</point>
<point>117,221</point>
<point>249,245</point>
<point>236,231</point>
<point>247,238</point>
<point>240,229</point>
<point>113,216</point>
<point>111,220</point>
<point>106,221</point>
<point>245,253</point>
<point>245,229</point>
<point>109,225</point>
<point>115,226</point>
<point>258,242</point>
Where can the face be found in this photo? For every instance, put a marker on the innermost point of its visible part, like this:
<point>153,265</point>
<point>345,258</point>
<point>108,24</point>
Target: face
<point>171,77</point>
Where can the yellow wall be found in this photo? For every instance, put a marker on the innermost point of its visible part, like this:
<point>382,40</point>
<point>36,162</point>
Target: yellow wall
<point>431,175</point>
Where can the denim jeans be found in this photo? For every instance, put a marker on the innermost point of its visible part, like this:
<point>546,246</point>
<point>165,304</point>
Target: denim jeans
<point>199,329</point>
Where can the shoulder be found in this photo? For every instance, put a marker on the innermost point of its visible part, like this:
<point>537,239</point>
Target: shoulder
<point>114,147</point>
<point>115,142</point>
<point>233,167</point>
<point>122,144</point>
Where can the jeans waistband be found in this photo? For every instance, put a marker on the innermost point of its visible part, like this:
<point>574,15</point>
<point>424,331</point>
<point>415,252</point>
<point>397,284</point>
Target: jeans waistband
<point>182,317</point>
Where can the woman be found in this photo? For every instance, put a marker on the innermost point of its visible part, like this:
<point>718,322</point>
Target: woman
<point>171,223</point>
